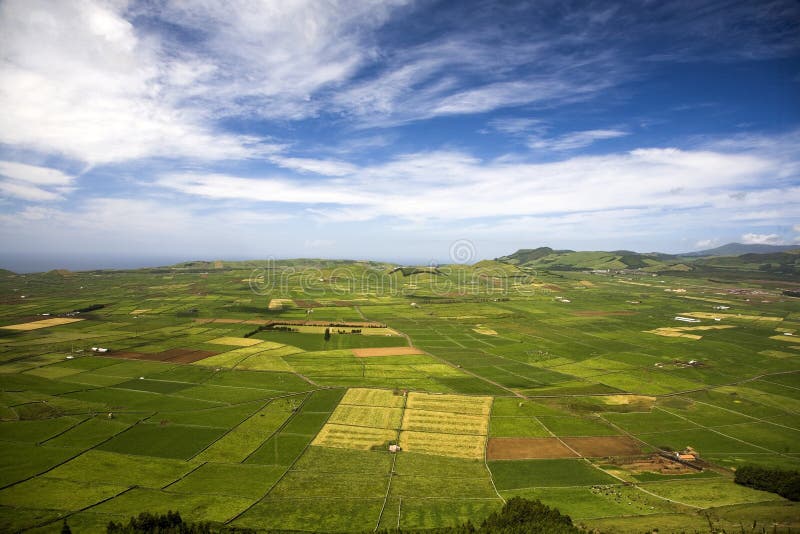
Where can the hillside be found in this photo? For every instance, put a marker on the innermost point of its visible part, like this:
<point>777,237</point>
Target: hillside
<point>545,258</point>
<point>570,260</point>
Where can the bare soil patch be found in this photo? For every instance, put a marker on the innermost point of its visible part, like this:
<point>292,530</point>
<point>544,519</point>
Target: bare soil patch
<point>187,355</point>
<point>526,448</point>
<point>386,351</point>
<point>603,446</point>
<point>655,463</point>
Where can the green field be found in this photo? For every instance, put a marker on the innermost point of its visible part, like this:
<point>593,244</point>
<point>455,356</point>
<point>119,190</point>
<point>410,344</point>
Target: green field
<point>208,413</point>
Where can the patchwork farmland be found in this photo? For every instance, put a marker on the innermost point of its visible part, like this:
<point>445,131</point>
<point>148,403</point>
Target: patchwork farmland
<point>183,389</point>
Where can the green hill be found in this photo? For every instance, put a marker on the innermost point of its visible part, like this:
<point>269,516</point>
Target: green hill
<point>570,260</point>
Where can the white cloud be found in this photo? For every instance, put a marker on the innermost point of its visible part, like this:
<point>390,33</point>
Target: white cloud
<point>762,239</point>
<point>574,140</point>
<point>457,186</point>
<point>33,183</point>
<point>78,79</point>
<point>316,166</point>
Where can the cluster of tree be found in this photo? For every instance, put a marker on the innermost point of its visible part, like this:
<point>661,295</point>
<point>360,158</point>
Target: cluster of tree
<point>791,293</point>
<point>518,516</point>
<point>169,523</point>
<point>785,483</point>
<point>282,328</point>
<point>91,308</point>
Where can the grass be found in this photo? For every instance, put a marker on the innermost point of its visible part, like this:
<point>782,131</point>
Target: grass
<point>242,440</point>
<point>517,474</point>
<point>707,493</point>
<point>56,494</point>
<point>164,441</point>
<point>249,481</point>
<point>101,467</point>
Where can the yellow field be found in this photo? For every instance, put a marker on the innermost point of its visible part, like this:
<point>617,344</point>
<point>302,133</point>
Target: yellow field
<point>236,341</point>
<point>367,416</point>
<point>458,445</point>
<point>372,397</point>
<point>707,315</point>
<point>138,312</point>
<point>681,331</point>
<point>352,437</point>
<point>790,339</point>
<point>485,331</point>
<point>445,422</point>
<point>621,400</point>
<point>278,304</point>
<point>449,403</point>
<point>44,323</point>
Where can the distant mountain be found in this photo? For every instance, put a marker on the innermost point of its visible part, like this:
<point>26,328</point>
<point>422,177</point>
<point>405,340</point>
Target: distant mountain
<point>737,249</point>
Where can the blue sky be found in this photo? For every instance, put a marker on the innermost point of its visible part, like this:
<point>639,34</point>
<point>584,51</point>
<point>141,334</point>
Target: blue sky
<point>143,132</point>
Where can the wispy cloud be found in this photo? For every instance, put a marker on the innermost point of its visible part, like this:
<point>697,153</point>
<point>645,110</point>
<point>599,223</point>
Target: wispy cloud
<point>33,183</point>
<point>573,140</point>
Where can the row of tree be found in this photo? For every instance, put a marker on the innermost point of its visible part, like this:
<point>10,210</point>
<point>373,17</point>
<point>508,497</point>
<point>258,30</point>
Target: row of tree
<point>785,483</point>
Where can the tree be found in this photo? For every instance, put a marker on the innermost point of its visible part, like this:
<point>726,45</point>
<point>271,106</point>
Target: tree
<point>327,334</point>
<point>65,528</point>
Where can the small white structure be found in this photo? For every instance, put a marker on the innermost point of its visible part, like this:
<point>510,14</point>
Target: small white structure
<point>394,448</point>
<point>686,319</point>
<point>722,307</point>
<point>99,349</point>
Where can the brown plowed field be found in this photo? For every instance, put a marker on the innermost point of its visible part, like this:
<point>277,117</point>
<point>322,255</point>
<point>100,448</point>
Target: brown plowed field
<point>601,446</point>
<point>386,351</point>
<point>526,448</point>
